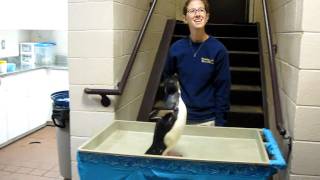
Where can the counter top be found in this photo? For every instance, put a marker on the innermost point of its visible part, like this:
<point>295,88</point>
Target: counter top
<point>22,69</point>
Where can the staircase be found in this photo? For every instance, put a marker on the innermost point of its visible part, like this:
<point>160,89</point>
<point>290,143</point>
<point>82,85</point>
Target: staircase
<point>242,42</point>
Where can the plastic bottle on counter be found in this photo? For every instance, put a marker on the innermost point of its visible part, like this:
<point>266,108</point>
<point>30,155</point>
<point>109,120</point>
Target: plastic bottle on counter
<point>45,53</point>
<point>11,67</point>
<point>3,66</point>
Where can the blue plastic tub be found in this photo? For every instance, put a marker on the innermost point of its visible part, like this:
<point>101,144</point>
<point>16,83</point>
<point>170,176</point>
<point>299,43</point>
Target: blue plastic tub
<point>117,153</point>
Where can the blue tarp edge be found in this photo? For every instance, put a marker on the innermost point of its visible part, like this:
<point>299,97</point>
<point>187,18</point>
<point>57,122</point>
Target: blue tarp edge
<point>97,166</point>
<point>274,150</point>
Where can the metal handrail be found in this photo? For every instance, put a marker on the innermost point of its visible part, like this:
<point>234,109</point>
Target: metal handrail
<point>274,77</point>
<point>105,101</point>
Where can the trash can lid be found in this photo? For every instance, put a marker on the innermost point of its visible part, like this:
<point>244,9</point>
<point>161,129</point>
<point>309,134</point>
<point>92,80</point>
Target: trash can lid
<point>61,98</point>
<point>45,44</point>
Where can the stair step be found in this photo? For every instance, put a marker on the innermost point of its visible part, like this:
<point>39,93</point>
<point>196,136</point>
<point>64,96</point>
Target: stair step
<point>245,69</point>
<point>234,30</point>
<point>246,109</point>
<point>245,76</point>
<point>237,87</point>
<point>246,98</point>
<point>232,43</point>
<point>246,95</point>
<point>245,116</point>
<point>244,52</point>
<point>235,44</point>
<point>218,37</point>
<point>246,59</point>
<point>245,120</point>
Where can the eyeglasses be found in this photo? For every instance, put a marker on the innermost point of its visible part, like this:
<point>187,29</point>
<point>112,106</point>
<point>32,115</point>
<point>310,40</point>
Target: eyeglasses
<point>194,11</point>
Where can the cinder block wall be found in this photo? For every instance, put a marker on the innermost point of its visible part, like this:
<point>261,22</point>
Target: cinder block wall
<point>296,31</point>
<point>101,37</point>
<point>129,16</point>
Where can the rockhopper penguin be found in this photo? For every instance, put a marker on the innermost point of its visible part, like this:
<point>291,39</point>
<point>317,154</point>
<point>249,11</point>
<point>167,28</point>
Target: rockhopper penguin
<point>168,130</point>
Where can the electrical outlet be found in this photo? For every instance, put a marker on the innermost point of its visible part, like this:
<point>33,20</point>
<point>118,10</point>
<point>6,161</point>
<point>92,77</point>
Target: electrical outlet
<point>3,44</point>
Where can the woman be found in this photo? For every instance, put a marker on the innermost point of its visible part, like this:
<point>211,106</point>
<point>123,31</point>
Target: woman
<point>202,65</point>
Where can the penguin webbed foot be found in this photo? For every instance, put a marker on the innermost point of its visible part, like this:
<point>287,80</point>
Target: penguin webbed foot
<point>153,151</point>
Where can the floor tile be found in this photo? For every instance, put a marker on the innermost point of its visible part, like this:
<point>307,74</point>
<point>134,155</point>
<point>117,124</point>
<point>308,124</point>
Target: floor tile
<point>55,168</point>
<point>4,175</point>
<point>52,174</point>
<point>24,170</point>
<point>10,168</point>
<point>33,157</point>
<point>26,177</point>
<point>38,172</point>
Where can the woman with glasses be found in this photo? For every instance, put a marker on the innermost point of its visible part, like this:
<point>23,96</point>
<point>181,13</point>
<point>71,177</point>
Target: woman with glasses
<point>202,65</point>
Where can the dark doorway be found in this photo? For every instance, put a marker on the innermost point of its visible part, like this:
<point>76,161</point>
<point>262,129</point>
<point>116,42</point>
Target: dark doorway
<point>229,11</point>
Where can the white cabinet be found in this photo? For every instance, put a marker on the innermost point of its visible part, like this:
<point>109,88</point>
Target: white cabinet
<point>25,102</point>
<point>38,98</point>
<point>3,114</point>
<point>34,14</point>
<point>17,121</point>
<point>9,43</point>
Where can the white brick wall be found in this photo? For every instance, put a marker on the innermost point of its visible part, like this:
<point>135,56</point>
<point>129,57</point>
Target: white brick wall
<point>102,34</point>
<point>91,57</point>
<point>296,31</point>
<point>129,17</point>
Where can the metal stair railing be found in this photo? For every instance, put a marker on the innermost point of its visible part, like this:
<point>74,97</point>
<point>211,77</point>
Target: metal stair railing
<point>274,78</point>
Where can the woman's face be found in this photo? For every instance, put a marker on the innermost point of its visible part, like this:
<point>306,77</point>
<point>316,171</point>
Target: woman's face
<point>196,16</point>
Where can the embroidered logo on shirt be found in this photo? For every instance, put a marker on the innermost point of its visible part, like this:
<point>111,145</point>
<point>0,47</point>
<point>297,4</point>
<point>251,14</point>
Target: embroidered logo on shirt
<point>207,60</point>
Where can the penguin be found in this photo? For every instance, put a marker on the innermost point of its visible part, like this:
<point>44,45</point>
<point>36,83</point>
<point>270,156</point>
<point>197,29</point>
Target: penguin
<point>168,130</point>
<point>167,94</point>
<point>166,98</point>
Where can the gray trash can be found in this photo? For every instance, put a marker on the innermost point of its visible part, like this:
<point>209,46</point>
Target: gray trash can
<point>60,117</point>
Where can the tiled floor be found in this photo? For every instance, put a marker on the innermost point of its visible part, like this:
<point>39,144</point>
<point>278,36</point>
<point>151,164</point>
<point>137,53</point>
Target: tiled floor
<point>34,157</point>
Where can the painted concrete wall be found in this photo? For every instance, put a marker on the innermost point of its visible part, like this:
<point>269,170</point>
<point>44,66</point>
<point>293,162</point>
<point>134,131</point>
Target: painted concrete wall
<point>179,7</point>
<point>101,37</point>
<point>126,31</point>
<point>296,31</point>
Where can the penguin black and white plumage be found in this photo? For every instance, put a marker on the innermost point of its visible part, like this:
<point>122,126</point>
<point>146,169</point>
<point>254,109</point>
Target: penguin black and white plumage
<point>167,94</point>
<point>168,130</point>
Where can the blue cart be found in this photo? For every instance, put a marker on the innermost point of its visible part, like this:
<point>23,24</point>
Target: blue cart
<point>208,153</point>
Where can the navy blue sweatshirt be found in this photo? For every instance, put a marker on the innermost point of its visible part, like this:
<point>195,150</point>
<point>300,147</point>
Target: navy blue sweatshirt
<point>204,77</point>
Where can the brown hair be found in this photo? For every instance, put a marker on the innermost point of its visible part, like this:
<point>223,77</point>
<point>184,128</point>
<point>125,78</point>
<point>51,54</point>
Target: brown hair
<point>205,2</point>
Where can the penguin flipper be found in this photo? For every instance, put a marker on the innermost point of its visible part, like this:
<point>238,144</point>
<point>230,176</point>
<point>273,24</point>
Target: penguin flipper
<point>162,127</point>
